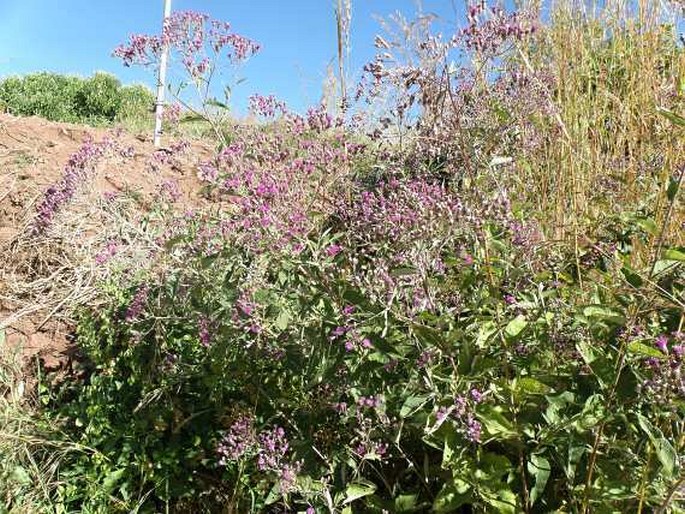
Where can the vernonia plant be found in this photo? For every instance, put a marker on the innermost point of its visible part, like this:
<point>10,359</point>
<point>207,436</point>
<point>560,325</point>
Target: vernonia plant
<point>200,48</point>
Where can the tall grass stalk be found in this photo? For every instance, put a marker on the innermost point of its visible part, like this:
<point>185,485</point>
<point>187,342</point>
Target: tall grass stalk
<point>614,65</point>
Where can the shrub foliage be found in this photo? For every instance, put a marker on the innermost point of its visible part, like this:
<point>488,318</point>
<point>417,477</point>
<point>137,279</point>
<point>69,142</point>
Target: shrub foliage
<point>388,314</point>
<point>98,99</point>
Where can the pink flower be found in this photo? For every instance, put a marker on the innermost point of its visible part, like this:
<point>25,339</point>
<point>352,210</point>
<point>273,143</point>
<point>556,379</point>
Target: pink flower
<point>333,250</point>
<point>661,343</point>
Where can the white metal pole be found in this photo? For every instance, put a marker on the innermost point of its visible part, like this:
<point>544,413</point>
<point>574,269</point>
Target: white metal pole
<point>161,79</point>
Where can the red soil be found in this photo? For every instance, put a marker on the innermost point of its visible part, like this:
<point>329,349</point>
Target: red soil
<point>33,152</point>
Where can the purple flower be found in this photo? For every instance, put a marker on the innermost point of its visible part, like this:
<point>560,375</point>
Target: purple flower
<point>137,304</point>
<point>239,440</point>
<point>661,343</point>
<point>204,333</point>
<point>109,251</point>
<point>339,331</point>
<point>266,106</point>
<point>476,395</point>
<point>78,169</point>
<point>473,429</point>
<point>348,310</point>
<point>340,408</point>
<point>333,250</point>
<point>273,446</point>
<point>442,413</point>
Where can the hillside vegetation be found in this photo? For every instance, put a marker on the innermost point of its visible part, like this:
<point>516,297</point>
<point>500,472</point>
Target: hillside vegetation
<point>461,290</point>
<point>99,99</point>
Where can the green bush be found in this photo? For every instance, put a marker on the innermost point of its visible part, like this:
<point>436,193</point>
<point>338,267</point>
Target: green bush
<point>136,102</point>
<point>503,405</point>
<point>98,99</point>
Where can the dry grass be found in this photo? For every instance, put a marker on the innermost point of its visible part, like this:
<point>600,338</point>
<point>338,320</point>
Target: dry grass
<point>615,66</point>
<point>57,272</point>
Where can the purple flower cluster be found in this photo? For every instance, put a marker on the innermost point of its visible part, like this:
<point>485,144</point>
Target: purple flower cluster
<point>369,402</point>
<point>270,449</point>
<point>266,106</point>
<point>191,37</point>
<point>370,421</point>
<point>462,414</point>
<point>203,327</point>
<point>79,167</point>
<point>402,224</point>
<point>490,28</point>
<point>168,156</point>
<point>110,250</point>
<point>667,374</point>
<point>172,113</point>
<point>376,448</point>
<point>239,441</point>
<point>274,447</point>
<point>319,120</point>
<point>169,190</point>
<point>135,308</point>
<point>272,191</point>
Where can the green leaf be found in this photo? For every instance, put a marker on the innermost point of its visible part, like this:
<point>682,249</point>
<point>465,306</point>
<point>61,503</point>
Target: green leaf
<point>632,277</point>
<point>556,404</point>
<point>358,489</point>
<point>648,225</point>
<point>515,327</point>
<point>110,481</point>
<point>20,475</point>
<point>541,469</point>
<point>672,190</point>
<point>604,313</point>
<point>672,117</point>
<point>452,444</point>
<point>530,385</point>
<point>402,271</point>
<point>639,348</point>
<point>592,414</point>
<point>675,254</point>
<point>216,103</point>
<point>412,404</point>
<point>502,500</point>
<point>664,449</point>
<point>575,453</point>
<point>189,118</point>
<point>452,496</point>
<point>586,351</point>
<point>664,265</point>
<point>496,424</point>
<point>283,320</point>
<point>273,496</point>
<point>428,335</point>
<point>406,502</point>
<point>485,332</point>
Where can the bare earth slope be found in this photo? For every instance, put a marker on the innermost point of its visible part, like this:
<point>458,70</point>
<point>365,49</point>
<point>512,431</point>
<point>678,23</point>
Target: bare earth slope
<point>37,278</point>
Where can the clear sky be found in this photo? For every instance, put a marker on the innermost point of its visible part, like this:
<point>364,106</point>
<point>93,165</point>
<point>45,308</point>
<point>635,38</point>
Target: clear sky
<point>298,37</point>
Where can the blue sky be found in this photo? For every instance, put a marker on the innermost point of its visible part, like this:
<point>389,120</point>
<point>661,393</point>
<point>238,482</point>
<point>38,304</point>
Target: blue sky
<point>297,36</point>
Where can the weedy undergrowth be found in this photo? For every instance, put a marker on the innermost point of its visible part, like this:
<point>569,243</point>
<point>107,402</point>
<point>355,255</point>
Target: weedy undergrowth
<point>451,308</point>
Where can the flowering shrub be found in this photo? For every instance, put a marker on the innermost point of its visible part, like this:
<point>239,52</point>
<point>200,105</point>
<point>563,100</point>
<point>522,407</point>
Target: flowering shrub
<point>77,170</point>
<point>355,327</point>
<point>199,48</point>
<point>303,382</point>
